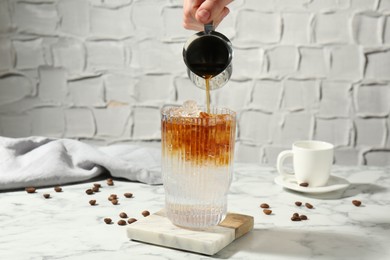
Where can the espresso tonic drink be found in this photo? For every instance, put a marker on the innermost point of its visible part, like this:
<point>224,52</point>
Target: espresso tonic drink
<point>197,163</point>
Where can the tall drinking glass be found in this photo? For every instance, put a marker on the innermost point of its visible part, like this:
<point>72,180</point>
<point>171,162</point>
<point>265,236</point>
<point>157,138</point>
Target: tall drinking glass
<point>197,165</point>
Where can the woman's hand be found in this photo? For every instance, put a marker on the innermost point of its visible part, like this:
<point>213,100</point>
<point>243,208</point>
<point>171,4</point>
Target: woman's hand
<point>197,13</point>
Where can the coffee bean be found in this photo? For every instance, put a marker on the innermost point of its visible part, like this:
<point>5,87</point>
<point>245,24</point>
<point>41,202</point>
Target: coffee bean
<point>110,182</point>
<point>89,191</point>
<point>128,194</point>
<point>46,195</point>
<point>95,189</point>
<point>145,213</point>
<point>122,222</point>
<point>308,205</point>
<point>57,189</point>
<point>295,215</point>
<point>131,220</point>
<point>298,203</point>
<point>294,218</point>
<point>108,220</point>
<point>264,206</point>
<point>303,217</point>
<point>114,202</point>
<point>30,189</point>
<point>97,185</point>
<point>357,203</point>
<point>123,215</point>
<point>112,197</point>
<point>267,211</point>
<point>304,184</point>
<point>92,202</point>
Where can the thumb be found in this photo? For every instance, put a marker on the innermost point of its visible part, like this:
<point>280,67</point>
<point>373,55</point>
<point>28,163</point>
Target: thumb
<point>208,10</point>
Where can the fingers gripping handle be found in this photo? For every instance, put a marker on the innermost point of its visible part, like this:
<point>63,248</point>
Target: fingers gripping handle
<point>280,161</point>
<point>208,28</point>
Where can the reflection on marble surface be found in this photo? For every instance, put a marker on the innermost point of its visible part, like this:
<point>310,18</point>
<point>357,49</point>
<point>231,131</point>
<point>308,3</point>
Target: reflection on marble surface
<point>67,227</point>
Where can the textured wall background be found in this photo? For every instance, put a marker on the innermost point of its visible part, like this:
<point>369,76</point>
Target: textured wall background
<point>100,70</point>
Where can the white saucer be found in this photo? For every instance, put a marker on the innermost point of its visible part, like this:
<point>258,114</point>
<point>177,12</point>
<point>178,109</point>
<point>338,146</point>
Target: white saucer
<point>335,183</point>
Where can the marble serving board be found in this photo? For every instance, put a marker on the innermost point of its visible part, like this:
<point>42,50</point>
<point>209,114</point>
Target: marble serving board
<point>158,230</point>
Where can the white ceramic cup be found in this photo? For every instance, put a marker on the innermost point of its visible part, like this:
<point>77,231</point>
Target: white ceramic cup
<point>312,162</point>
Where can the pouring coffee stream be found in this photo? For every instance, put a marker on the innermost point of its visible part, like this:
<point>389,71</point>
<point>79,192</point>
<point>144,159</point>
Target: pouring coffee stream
<point>208,56</point>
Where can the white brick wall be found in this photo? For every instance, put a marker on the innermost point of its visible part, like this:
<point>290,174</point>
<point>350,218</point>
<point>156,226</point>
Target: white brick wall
<point>40,19</point>
<point>99,71</point>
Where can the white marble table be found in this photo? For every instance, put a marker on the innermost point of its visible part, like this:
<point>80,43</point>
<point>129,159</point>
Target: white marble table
<point>67,227</point>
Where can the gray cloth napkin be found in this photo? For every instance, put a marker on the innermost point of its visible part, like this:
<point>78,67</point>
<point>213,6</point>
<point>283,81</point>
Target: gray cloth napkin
<point>40,161</point>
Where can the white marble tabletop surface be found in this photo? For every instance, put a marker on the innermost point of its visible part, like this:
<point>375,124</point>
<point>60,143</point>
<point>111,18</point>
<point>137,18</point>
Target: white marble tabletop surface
<point>67,227</point>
